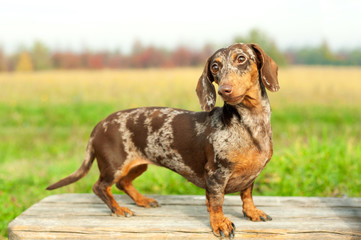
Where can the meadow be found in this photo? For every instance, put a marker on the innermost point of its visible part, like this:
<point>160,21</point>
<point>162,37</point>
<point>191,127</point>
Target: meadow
<point>46,119</point>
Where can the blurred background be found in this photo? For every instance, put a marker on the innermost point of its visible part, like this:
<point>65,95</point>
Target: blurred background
<point>64,66</point>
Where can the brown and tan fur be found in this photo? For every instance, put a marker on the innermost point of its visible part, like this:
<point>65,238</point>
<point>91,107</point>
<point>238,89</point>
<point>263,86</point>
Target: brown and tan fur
<point>222,150</point>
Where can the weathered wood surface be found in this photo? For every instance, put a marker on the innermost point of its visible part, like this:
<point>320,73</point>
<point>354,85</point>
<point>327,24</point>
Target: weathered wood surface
<point>84,216</point>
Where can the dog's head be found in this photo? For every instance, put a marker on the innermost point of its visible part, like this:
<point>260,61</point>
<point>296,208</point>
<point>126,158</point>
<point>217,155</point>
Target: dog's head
<point>235,69</point>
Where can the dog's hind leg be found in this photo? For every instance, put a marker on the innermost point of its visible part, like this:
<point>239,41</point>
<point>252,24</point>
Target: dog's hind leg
<point>108,167</point>
<point>102,189</point>
<point>125,184</point>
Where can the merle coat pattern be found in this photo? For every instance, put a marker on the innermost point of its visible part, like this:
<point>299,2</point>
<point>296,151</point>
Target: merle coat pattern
<point>221,149</point>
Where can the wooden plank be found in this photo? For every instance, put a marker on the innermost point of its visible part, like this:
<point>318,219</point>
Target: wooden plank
<point>84,216</point>
<point>167,210</point>
<point>200,200</point>
<point>182,236</point>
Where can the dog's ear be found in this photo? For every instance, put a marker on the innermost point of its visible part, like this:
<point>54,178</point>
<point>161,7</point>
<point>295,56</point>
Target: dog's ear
<point>268,69</point>
<point>205,89</point>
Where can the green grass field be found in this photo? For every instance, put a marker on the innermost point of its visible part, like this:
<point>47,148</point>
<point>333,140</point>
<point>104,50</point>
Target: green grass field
<point>46,119</point>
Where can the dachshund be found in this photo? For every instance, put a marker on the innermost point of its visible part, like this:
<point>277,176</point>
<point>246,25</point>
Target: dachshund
<point>220,149</point>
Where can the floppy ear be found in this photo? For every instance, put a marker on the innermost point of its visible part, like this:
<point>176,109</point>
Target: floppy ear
<point>205,89</point>
<point>268,69</point>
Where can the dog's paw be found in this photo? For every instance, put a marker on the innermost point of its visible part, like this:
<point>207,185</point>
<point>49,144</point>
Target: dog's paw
<point>223,228</point>
<point>123,212</point>
<point>255,214</point>
<point>147,203</point>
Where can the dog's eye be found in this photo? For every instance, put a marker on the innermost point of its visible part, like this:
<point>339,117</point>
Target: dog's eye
<point>215,67</point>
<point>241,59</point>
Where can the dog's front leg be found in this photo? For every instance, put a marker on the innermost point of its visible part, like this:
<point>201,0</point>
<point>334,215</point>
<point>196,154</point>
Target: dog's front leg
<point>221,225</point>
<point>249,209</point>
<point>216,182</point>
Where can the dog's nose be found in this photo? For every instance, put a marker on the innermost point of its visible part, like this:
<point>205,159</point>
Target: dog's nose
<point>225,90</point>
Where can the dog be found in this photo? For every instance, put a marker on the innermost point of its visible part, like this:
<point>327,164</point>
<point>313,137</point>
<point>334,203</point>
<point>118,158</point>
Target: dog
<point>220,149</point>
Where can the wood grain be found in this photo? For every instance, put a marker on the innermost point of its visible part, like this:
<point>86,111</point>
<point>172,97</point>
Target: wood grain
<point>84,216</point>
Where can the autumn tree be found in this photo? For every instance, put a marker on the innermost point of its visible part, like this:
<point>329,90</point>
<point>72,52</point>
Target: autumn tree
<point>96,61</point>
<point>24,63</point>
<point>182,56</point>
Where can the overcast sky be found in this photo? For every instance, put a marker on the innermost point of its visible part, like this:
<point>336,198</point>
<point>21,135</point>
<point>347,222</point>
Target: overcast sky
<point>110,24</point>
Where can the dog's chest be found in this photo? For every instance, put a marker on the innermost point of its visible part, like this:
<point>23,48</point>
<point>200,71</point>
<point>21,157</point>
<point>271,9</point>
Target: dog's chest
<point>246,168</point>
<point>248,147</point>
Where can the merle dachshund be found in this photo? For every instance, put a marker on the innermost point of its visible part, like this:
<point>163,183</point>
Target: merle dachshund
<point>220,149</point>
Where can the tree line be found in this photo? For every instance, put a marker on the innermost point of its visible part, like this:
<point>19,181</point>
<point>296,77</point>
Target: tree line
<point>41,57</point>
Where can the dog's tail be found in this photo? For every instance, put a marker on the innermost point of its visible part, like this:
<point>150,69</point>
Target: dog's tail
<point>81,172</point>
